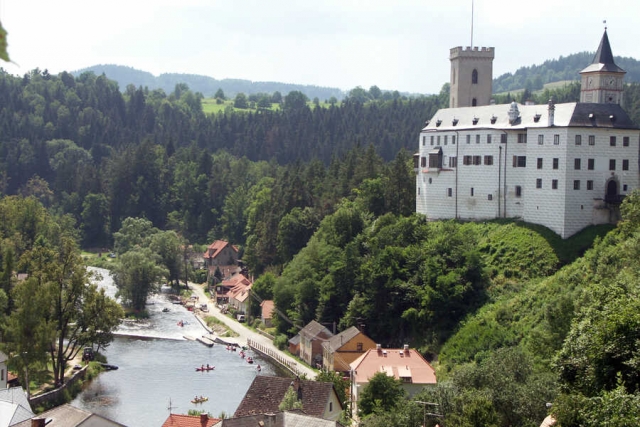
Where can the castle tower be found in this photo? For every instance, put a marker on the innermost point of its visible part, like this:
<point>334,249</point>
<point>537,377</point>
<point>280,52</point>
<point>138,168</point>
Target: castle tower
<point>471,76</point>
<point>602,81</point>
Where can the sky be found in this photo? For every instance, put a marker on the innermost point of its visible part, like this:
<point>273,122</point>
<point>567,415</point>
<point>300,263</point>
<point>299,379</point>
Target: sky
<point>394,44</point>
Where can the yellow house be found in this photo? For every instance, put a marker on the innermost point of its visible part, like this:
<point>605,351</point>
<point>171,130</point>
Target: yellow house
<point>342,349</point>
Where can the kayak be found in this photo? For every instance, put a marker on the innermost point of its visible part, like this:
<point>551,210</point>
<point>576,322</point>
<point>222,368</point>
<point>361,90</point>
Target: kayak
<point>210,368</point>
<point>200,400</point>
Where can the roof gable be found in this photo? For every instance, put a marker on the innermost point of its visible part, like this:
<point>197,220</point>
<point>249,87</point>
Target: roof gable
<point>337,341</point>
<point>177,420</point>
<point>214,249</point>
<point>399,363</point>
<point>313,329</point>
<point>266,393</point>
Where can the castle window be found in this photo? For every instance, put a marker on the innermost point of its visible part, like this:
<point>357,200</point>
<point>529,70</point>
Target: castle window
<point>556,161</point>
<point>503,138</point>
<point>576,164</point>
<point>466,160</point>
<point>471,191</point>
<point>435,159</point>
<point>438,140</point>
<point>519,161</point>
<point>612,164</point>
<point>625,165</point>
<point>518,191</point>
<point>489,196</point>
<point>522,138</point>
<point>625,141</point>
<point>474,77</point>
<point>423,162</point>
<point>468,139</point>
<point>578,139</point>
<point>453,140</point>
<point>477,160</point>
<point>612,141</point>
<point>453,162</point>
<point>624,187</point>
<point>474,102</point>
<point>554,184</point>
<point>589,185</point>
<point>591,164</point>
<point>431,139</point>
<point>488,139</point>
<point>556,139</point>
<point>424,140</point>
<point>540,139</point>
<point>488,160</point>
<point>592,140</point>
<point>477,139</point>
<point>446,139</point>
<point>449,192</point>
<point>539,183</point>
<point>576,184</point>
<point>539,162</point>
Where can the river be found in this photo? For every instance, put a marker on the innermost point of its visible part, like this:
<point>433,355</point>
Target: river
<point>157,374</point>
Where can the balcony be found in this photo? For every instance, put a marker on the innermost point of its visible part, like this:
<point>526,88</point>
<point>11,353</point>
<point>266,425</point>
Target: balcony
<point>614,199</point>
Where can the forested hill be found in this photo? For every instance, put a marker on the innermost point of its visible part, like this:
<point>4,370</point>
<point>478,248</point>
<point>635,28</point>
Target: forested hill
<point>205,85</point>
<point>554,70</point>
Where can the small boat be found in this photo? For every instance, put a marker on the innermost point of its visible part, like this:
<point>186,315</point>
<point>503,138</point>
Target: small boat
<point>242,354</point>
<point>199,400</point>
<point>180,323</point>
<point>108,367</point>
<point>166,310</point>
<point>258,368</point>
<point>249,360</point>
<point>205,368</point>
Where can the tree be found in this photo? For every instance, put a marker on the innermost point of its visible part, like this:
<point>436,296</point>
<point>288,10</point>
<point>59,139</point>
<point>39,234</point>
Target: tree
<point>3,44</point>
<point>241,101</point>
<point>295,100</point>
<point>381,394</point>
<point>168,246</point>
<point>220,94</point>
<point>375,92</point>
<point>95,220</point>
<point>134,232</point>
<point>136,273</point>
<point>290,401</point>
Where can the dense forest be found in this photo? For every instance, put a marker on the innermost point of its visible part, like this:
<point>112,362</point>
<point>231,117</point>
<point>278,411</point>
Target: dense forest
<point>321,201</point>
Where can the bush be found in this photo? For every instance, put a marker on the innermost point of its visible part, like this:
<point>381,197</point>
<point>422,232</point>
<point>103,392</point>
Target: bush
<point>281,341</point>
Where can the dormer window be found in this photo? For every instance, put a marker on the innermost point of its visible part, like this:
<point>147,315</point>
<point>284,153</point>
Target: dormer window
<point>612,118</point>
<point>493,120</point>
<point>438,122</point>
<point>454,122</point>
<point>592,117</point>
<point>475,120</point>
<point>536,118</point>
<point>427,122</point>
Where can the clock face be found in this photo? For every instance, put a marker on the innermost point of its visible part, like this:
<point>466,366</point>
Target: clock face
<point>612,82</point>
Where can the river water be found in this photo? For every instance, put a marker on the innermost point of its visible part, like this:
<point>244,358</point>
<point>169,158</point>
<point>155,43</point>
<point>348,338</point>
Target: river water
<point>157,373</point>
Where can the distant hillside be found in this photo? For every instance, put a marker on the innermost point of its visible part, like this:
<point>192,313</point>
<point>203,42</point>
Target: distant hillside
<point>204,84</point>
<point>554,70</point>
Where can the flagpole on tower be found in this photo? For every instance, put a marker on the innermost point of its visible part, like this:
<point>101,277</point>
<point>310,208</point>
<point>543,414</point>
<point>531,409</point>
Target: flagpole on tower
<point>472,24</point>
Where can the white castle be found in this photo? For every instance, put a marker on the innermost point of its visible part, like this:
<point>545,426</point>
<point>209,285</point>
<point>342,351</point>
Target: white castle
<point>564,166</point>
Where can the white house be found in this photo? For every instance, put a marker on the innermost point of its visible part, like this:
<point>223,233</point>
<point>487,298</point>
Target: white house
<point>565,166</point>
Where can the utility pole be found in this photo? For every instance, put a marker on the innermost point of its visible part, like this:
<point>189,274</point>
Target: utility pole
<point>425,413</point>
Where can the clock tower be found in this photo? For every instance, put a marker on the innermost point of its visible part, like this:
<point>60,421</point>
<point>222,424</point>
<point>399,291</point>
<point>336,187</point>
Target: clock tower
<point>602,81</point>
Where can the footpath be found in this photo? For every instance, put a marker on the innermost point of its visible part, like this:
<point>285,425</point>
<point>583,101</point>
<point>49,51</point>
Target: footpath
<point>246,335</point>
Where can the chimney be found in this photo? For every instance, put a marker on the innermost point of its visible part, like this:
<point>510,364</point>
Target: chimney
<point>552,112</point>
<point>38,422</point>
<point>378,347</point>
<point>203,419</point>
<point>270,420</point>
<point>406,349</point>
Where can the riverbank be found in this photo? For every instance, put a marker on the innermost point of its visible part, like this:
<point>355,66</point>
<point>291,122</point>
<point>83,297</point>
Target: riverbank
<point>247,336</point>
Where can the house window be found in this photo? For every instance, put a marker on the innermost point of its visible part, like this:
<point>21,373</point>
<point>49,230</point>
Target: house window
<point>431,139</point>
<point>625,165</point>
<point>503,138</point>
<point>330,406</point>
<point>540,139</point>
<point>424,140</point>
<point>477,160</point>
<point>578,139</point>
<point>423,162</point>
<point>612,141</point>
<point>435,160</point>
<point>591,164</point>
<point>625,141</point>
<point>556,161</point>
<point>453,140</point>
<point>488,139</point>
<point>522,138</point>
<point>474,77</point>
<point>554,184</point>
<point>576,164</point>
<point>488,160</point>
<point>468,139</point>
<point>624,187</point>
<point>471,192</point>
<point>556,139</point>
<point>446,139</point>
<point>589,185</point>
<point>592,140</point>
<point>466,160</point>
<point>359,346</point>
<point>489,196</point>
<point>449,192</point>
<point>453,162</point>
<point>612,164</point>
<point>576,184</point>
<point>539,183</point>
<point>539,162</point>
<point>518,191</point>
<point>519,161</point>
<point>438,140</point>
<point>477,139</point>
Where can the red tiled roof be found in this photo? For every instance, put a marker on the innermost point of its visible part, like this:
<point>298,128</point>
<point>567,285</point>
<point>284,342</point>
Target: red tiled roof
<point>394,362</point>
<point>176,420</point>
<point>216,247</point>
<point>239,287</point>
<point>266,393</point>
<point>267,308</point>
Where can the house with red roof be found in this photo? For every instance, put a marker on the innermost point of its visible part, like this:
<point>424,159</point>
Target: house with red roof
<point>235,292</point>
<point>292,418</point>
<point>202,420</point>
<point>220,254</point>
<point>404,364</point>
